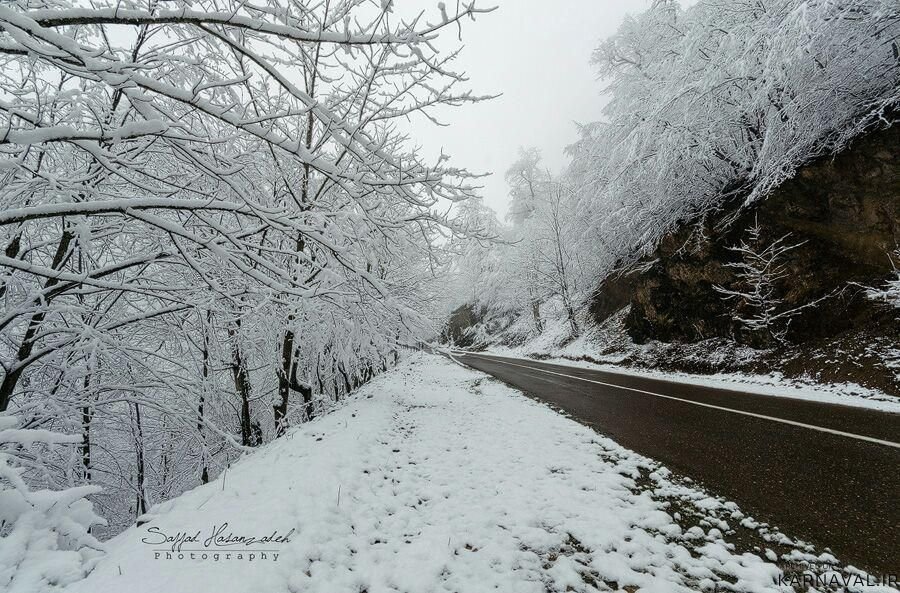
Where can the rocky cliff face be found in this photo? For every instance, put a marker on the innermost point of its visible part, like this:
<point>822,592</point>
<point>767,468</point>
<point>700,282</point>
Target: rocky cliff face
<point>461,320</point>
<point>841,215</point>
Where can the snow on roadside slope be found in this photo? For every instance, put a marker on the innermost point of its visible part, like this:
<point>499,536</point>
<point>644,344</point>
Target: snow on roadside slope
<point>773,384</point>
<point>436,478</point>
<point>607,347</point>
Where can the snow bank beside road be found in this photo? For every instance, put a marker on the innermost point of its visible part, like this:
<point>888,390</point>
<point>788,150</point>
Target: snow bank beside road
<point>608,347</point>
<point>436,478</point>
<point>773,384</point>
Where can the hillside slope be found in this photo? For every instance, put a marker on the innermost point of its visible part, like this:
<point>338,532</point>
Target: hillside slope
<point>838,219</point>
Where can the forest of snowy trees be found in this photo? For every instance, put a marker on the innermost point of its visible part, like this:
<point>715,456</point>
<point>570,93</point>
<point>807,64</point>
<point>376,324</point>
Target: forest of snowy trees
<point>212,229</point>
<point>710,106</point>
<point>214,225</point>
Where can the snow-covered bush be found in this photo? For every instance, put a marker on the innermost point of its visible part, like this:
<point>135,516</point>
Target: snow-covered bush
<point>45,539</point>
<point>890,292</point>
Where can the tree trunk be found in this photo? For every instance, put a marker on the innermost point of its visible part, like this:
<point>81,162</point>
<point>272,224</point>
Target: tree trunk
<point>86,416</point>
<point>570,312</point>
<point>204,463</point>
<point>348,387</point>
<point>309,411</point>
<point>319,383</point>
<point>26,347</point>
<point>165,461</point>
<point>139,449</point>
<point>241,386</point>
<point>285,373</point>
<point>11,251</point>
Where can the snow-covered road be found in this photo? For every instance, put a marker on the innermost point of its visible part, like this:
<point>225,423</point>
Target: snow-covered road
<point>437,478</point>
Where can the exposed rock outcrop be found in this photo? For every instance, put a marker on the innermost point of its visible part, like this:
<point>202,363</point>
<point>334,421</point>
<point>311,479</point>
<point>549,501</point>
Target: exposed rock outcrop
<point>457,331</point>
<point>843,215</point>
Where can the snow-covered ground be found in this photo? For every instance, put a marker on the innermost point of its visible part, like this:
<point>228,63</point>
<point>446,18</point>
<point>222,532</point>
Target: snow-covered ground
<point>437,478</point>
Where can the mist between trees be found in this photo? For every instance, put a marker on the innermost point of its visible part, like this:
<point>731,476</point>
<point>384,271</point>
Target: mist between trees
<point>211,230</point>
<point>709,109</point>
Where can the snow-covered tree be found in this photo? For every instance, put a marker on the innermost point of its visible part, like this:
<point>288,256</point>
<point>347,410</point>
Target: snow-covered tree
<point>535,260</point>
<point>758,292</point>
<point>211,226</point>
<point>722,101</point>
<point>889,294</point>
<point>559,269</point>
<point>528,182</point>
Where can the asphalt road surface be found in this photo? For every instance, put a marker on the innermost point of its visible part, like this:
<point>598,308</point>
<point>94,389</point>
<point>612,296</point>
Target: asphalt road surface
<point>827,473</point>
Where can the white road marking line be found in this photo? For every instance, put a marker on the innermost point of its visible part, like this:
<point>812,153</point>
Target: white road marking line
<point>851,435</point>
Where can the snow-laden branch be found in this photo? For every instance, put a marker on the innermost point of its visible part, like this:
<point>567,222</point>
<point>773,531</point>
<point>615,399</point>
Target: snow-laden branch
<point>121,206</point>
<point>293,29</point>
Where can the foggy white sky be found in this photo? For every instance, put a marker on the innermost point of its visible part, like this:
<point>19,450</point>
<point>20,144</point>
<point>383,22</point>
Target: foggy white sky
<point>535,52</point>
